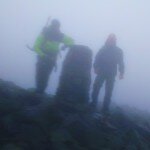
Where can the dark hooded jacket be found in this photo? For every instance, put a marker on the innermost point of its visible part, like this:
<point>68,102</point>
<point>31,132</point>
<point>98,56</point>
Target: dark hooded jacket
<point>108,59</point>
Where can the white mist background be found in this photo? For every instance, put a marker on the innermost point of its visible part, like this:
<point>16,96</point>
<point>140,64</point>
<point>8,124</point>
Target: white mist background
<point>88,23</point>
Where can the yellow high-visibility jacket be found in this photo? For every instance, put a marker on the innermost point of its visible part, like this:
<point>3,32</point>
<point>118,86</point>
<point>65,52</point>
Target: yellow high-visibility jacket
<point>43,46</point>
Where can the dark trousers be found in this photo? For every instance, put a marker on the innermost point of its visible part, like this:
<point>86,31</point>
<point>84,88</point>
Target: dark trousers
<point>44,68</point>
<point>109,84</point>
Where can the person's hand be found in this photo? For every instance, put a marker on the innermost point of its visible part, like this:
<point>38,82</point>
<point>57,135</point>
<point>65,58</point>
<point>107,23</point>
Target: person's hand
<point>121,76</point>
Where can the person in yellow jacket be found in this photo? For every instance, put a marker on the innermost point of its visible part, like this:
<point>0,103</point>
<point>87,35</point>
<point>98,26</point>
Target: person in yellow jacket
<point>47,47</point>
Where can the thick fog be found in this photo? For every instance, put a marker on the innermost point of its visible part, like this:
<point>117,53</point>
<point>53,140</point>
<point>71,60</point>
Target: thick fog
<point>88,23</point>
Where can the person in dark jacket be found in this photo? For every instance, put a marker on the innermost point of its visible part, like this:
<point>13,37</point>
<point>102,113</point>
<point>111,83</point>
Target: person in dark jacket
<point>47,47</point>
<point>108,60</point>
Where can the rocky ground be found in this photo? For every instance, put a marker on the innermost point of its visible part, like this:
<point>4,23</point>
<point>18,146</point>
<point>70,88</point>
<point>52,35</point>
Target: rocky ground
<point>36,122</point>
<point>30,121</point>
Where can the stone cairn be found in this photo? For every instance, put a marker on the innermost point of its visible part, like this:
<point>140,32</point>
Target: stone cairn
<point>75,77</point>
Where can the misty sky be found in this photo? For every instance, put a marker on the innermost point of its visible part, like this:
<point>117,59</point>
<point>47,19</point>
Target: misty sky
<point>88,22</point>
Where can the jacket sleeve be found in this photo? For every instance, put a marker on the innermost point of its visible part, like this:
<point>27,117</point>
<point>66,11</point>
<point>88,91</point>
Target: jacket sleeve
<point>121,63</point>
<point>68,41</point>
<point>38,45</point>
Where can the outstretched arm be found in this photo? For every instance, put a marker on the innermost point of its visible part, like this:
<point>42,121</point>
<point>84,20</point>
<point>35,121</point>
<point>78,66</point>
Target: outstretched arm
<point>67,41</point>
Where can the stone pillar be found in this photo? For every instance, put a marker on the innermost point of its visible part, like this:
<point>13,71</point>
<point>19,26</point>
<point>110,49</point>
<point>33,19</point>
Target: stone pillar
<point>75,78</point>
